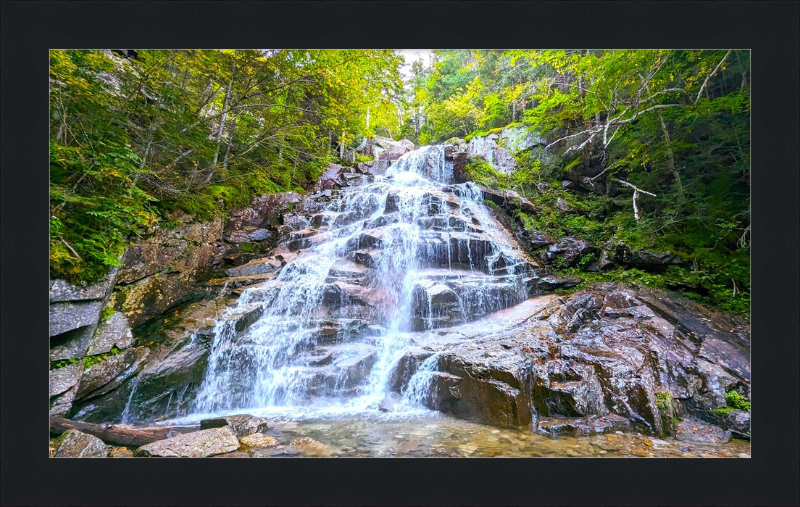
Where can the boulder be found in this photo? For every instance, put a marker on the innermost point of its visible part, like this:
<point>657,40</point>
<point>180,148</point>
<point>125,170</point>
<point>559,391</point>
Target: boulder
<point>242,425</point>
<point>539,239</point>
<point>263,211</point>
<point>570,249</point>
<point>374,167</point>
<point>549,283</point>
<point>66,316</point>
<point>258,440</point>
<point>74,444</point>
<point>198,444</point>
<point>112,332</point>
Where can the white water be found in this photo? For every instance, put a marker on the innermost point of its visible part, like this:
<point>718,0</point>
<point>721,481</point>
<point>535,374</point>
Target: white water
<point>270,368</point>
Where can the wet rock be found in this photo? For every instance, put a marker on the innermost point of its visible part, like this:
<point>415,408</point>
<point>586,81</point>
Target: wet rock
<point>258,440</point>
<point>61,290</point>
<point>737,421</point>
<point>484,400</point>
<point>198,444</point>
<point>120,452</point>
<point>67,316</point>
<point>406,367</point>
<point>242,424</point>
<point>695,430</point>
<point>74,444</point>
<point>389,403</point>
<point>310,447</point>
<point>112,332</point>
<point>350,364</point>
<point>166,385</point>
<point>581,426</point>
<point>72,344</point>
<point>111,372</point>
<point>259,235</point>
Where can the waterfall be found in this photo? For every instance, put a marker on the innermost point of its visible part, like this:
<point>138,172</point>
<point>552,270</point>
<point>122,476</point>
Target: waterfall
<point>378,269</point>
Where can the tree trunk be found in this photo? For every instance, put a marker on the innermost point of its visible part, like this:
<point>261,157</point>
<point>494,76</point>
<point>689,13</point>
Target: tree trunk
<point>121,434</point>
<point>223,117</point>
<point>671,160</point>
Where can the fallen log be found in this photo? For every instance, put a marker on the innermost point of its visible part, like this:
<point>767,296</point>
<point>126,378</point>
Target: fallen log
<point>115,434</point>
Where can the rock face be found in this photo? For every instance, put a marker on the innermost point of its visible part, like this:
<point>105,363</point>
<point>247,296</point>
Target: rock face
<point>161,271</point>
<point>625,353</point>
<point>198,444</point>
<point>74,444</point>
<point>73,315</point>
<point>499,148</point>
<point>112,332</point>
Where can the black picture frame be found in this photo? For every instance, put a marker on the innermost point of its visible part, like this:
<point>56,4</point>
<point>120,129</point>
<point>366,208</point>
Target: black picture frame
<point>769,29</point>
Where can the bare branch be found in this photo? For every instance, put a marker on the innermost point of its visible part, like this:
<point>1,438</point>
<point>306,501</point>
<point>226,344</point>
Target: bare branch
<point>70,248</point>
<point>710,76</point>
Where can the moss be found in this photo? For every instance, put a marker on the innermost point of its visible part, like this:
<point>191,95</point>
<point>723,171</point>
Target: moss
<point>737,401</point>
<point>54,365</point>
<point>89,361</point>
<point>107,312</point>
<point>481,172</point>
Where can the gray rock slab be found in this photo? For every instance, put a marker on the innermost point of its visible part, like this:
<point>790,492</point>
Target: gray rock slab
<point>198,444</point>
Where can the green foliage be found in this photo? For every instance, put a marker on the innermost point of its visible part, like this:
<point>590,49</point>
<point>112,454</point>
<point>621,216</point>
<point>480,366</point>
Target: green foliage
<point>737,401</point>
<point>54,365</point>
<point>134,139</point>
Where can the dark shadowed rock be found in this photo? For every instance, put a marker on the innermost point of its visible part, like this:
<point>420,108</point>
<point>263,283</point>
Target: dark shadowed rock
<point>198,444</point>
<point>242,424</point>
<point>570,249</point>
<point>539,239</point>
<point>74,444</point>
<point>549,283</point>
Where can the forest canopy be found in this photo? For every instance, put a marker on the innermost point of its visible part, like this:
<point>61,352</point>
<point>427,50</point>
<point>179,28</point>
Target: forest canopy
<point>662,138</point>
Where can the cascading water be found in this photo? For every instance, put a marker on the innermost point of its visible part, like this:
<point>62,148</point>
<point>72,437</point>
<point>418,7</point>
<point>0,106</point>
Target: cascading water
<point>376,268</point>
